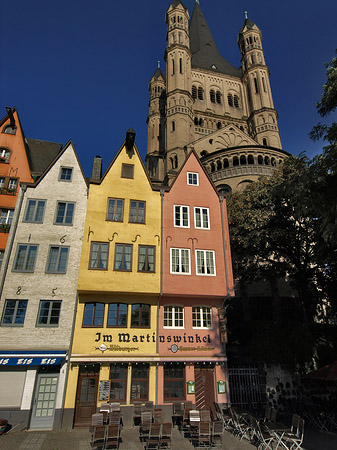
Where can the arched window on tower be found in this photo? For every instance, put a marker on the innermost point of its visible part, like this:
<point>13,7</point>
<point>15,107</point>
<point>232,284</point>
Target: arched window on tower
<point>218,125</point>
<point>256,86</point>
<point>260,159</point>
<point>273,162</point>
<point>266,160</point>
<point>173,128</point>
<point>218,97</point>
<point>264,141</point>
<point>196,121</point>
<point>172,66</point>
<point>175,161</point>
<point>235,161</point>
<point>225,163</point>
<point>200,93</point>
<point>201,122</point>
<point>230,99</point>
<point>194,92</point>
<point>212,96</point>
<point>250,159</point>
<point>264,85</point>
<point>218,165</point>
<point>236,101</point>
<point>212,167</point>
<point>180,65</point>
<point>243,160</point>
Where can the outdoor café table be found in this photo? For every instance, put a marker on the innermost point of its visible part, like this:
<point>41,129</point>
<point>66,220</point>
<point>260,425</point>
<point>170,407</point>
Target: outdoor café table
<point>279,430</point>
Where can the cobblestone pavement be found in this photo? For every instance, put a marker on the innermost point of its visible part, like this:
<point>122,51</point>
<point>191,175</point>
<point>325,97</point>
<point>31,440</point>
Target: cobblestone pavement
<point>79,439</point>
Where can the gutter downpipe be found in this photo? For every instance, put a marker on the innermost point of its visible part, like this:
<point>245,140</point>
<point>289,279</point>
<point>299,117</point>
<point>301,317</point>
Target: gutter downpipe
<point>161,281</point>
<point>221,198</point>
<point>12,233</point>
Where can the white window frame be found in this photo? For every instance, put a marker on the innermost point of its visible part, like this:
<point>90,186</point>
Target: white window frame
<point>204,253</point>
<point>201,317</point>
<point>180,208</point>
<point>192,183</point>
<point>202,227</point>
<point>174,316</point>
<point>189,261</point>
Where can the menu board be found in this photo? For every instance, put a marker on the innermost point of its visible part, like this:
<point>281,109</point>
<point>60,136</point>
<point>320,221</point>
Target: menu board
<point>104,390</point>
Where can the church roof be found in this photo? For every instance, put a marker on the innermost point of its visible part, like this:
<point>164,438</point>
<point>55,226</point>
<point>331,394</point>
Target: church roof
<point>158,74</point>
<point>247,23</point>
<point>205,54</point>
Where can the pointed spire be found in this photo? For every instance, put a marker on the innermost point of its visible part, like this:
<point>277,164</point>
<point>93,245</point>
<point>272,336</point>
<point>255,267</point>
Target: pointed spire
<point>158,64</point>
<point>205,54</point>
<point>246,15</point>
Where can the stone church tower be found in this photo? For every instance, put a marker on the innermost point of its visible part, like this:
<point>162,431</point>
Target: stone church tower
<point>225,114</point>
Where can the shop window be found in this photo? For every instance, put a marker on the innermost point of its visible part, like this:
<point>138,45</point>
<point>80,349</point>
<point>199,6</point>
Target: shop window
<point>140,315</point>
<point>139,382</point>
<point>205,261</point>
<point>174,381</point>
<point>201,218</point>
<point>127,171</point>
<point>34,211</point>
<point>118,379</point>
<point>99,255</point>
<point>14,312</point>
<point>57,259</point>
<point>123,257</point>
<point>173,317</point>
<point>115,209</point>
<point>93,315</point>
<point>181,216</point>
<point>49,313</point>
<point>117,315</point>
<point>25,258</point>
<point>66,173</point>
<point>201,317</point>
<point>64,213</point>
<point>180,261</point>
<point>137,211</point>
<point>146,258</point>
<point>193,179</point>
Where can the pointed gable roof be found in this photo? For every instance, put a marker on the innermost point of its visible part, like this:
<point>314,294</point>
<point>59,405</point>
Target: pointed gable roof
<point>205,54</point>
<point>247,24</point>
<point>158,74</point>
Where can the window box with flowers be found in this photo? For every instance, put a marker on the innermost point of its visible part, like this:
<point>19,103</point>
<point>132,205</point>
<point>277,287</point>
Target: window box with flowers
<point>4,227</point>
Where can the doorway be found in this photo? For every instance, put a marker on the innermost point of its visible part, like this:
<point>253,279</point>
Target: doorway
<point>86,396</point>
<point>44,402</point>
<point>204,386</point>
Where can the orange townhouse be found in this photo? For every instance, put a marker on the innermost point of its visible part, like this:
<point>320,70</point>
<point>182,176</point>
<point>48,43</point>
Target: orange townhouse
<point>196,280</point>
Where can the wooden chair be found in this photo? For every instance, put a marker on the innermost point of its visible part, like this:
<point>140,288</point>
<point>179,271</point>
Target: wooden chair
<point>158,415</point>
<point>137,409</point>
<point>114,418</point>
<point>153,440</point>
<point>166,436</point>
<point>217,433</point>
<point>178,413</point>
<point>112,437</point>
<point>115,407</point>
<point>98,437</point>
<point>96,419</point>
<point>145,424</point>
<point>205,415</point>
<point>148,406</point>
<point>204,436</point>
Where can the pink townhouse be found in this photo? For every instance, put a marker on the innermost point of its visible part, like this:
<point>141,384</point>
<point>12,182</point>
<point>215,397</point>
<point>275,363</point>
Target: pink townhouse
<point>196,280</point>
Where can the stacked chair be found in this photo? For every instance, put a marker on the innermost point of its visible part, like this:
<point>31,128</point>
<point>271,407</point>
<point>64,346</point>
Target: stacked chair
<point>105,428</point>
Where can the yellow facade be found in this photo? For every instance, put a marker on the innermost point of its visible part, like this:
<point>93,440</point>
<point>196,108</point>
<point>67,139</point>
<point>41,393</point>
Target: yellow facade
<point>102,344</point>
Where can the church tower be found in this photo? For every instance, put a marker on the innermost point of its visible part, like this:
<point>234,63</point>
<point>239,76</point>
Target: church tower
<point>179,103</point>
<point>262,120</point>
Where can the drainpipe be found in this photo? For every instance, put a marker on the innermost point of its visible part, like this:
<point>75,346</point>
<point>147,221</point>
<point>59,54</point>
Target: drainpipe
<point>12,233</point>
<point>161,279</point>
<point>224,242</point>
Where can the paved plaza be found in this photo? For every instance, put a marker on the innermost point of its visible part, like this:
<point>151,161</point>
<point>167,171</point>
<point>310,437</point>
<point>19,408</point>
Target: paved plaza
<point>79,439</point>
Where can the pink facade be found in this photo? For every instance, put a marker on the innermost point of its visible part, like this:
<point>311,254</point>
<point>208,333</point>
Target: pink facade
<point>197,277</point>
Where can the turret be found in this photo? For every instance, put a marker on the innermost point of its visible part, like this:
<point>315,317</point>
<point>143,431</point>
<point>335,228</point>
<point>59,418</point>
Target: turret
<point>179,122</point>
<point>262,121</point>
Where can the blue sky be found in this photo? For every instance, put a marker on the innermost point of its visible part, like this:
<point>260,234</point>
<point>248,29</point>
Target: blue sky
<point>79,69</point>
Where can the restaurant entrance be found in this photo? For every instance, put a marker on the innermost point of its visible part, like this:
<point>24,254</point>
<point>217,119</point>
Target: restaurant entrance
<point>204,386</point>
<point>86,396</point>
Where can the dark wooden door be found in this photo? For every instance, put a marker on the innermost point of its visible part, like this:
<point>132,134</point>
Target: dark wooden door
<point>86,398</point>
<point>204,388</point>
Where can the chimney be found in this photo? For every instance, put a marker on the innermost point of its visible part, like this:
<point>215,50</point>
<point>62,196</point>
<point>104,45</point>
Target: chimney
<point>96,173</point>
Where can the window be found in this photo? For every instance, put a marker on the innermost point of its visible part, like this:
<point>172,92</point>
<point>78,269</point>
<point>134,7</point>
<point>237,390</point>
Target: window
<point>200,93</point>
<point>212,96</point>
<point>123,257</point>
<point>49,313</point>
<point>201,218</point>
<point>174,381</point>
<point>180,261</point>
<point>139,382</point>
<point>127,170</point>
<point>194,92</point>
<point>93,315</point>
<point>201,317</point>
<point>173,128</point>
<point>14,312</point>
<point>64,213</point>
<point>2,254</point>
<point>205,262</point>
<point>137,211</point>
<point>193,178</point>
<point>230,99</point>
<point>174,317</point>
<point>181,216</point>
<point>99,255</point>
<point>9,129</point>
<point>236,101</point>
<point>118,377</point>
<point>25,258</point>
<point>57,259</point>
<point>66,173</point>
<point>218,97</point>
<point>146,258</point>
<point>4,155</point>
<point>117,315</point>
<point>6,216</point>
<point>34,211</point>
<point>140,315</point>
<point>115,209</point>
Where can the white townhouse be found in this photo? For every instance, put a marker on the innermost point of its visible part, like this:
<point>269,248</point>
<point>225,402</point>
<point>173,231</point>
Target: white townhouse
<point>38,284</point>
